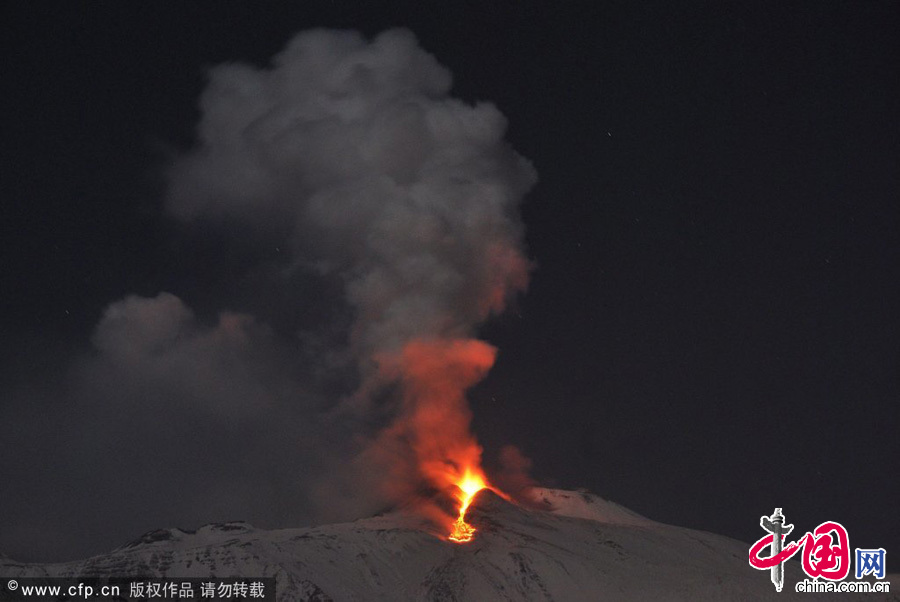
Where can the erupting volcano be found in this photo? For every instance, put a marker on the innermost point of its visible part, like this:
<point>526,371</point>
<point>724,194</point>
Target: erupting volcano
<point>470,485</point>
<point>435,422</point>
<point>380,180</point>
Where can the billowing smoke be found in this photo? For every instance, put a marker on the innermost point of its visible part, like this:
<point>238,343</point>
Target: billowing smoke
<point>352,155</point>
<point>356,154</point>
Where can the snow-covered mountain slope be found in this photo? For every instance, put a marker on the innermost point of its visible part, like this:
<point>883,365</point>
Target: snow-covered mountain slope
<point>581,548</point>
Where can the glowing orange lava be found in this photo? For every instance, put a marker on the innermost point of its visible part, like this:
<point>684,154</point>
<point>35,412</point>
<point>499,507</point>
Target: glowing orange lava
<point>470,484</point>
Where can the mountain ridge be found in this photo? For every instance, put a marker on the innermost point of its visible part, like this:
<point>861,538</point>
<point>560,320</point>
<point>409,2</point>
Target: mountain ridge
<point>580,547</point>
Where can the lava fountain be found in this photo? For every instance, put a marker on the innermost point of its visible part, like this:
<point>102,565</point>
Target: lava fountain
<point>470,485</point>
<point>435,422</point>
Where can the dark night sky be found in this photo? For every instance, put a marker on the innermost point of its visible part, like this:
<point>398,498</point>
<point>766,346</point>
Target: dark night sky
<point>712,327</point>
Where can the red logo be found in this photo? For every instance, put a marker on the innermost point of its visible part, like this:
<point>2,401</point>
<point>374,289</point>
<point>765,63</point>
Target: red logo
<point>826,550</point>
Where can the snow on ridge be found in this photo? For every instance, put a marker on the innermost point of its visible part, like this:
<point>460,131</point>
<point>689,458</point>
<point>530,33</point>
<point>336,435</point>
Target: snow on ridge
<point>581,504</point>
<point>580,547</point>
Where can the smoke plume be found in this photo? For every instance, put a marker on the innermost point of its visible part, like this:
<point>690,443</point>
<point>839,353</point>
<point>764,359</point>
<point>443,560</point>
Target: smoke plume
<point>355,154</point>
